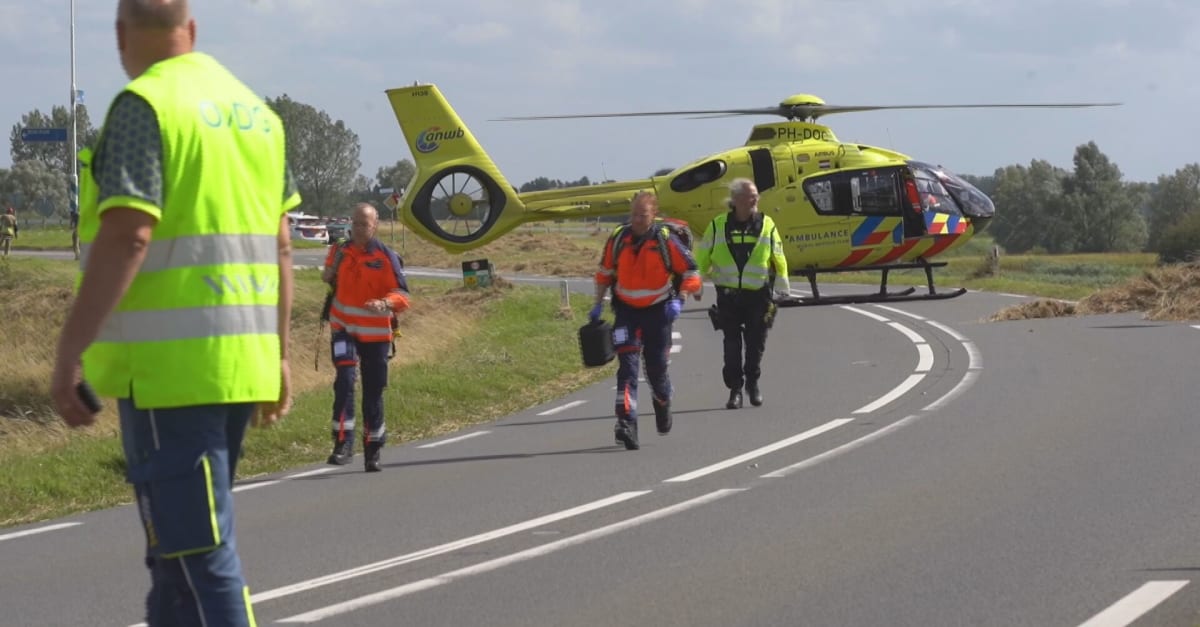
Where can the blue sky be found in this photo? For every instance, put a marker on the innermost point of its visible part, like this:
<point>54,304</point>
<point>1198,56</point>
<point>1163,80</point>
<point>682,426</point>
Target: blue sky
<point>496,58</point>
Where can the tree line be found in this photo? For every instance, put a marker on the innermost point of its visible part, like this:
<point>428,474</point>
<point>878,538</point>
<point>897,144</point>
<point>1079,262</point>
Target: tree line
<point>1039,207</point>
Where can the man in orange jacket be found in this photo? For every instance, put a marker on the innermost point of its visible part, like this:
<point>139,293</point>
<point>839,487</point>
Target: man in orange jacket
<point>369,287</point>
<point>639,263</point>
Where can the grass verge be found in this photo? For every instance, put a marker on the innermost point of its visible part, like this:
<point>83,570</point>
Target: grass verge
<point>467,356</point>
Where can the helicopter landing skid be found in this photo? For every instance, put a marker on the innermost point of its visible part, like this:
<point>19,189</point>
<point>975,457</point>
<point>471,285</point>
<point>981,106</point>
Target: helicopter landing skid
<point>882,296</point>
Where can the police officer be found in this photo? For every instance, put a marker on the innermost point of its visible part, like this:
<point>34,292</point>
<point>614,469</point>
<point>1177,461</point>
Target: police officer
<point>639,263</point>
<point>367,279</point>
<point>184,302</point>
<point>742,254</point>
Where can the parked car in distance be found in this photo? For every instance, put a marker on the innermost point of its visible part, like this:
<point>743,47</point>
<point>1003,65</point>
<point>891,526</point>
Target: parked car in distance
<point>308,228</point>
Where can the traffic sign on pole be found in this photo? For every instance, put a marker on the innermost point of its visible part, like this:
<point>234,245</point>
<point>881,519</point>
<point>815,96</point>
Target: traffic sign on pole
<point>43,134</point>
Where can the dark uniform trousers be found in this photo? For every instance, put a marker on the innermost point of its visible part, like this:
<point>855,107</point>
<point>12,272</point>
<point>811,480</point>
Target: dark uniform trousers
<point>743,315</point>
<point>637,332</point>
<point>348,355</point>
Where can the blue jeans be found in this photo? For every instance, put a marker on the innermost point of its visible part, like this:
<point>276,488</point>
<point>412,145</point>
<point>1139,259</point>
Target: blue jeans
<point>181,463</point>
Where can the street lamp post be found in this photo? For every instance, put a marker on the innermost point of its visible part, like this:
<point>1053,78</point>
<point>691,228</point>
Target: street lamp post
<point>74,152</point>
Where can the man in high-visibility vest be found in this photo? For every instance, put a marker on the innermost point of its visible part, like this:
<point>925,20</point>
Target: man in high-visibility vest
<point>369,288</point>
<point>742,254</point>
<point>184,301</point>
<point>639,263</point>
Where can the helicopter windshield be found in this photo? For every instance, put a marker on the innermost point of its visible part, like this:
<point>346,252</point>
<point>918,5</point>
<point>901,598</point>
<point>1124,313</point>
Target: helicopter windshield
<point>938,186</point>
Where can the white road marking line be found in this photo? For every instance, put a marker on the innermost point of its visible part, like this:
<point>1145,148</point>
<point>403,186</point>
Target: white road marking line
<point>1196,326</point>
<point>834,452</point>
<point>30,532</point>
<point>759,452</point>
<point>869,314</point>
<point>900,390</point>
<point>912,336</point>
<point>967,381</point>
<point>400,560</point>
<point>675,335</point>
<point>460,438</point>
<point>947,330</point>
<point>310,473</point>
<point>550,412</point>
<point>925,362</point>
<point>263,484</point>
<point>246,487</point>
<point>675,348</point>
<point>1134,604</point>
<point>500,562</point>
<point>901,312</point>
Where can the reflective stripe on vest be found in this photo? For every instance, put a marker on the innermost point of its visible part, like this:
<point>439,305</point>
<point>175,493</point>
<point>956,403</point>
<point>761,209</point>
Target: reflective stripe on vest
<point>202,250</point>
<point>189,323</point>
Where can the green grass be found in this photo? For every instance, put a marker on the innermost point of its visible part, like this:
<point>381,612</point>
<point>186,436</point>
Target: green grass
<point>467,356</point>
<point>59,238</point>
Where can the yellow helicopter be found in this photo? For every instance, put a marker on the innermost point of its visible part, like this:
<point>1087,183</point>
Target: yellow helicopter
<point>839,206</point>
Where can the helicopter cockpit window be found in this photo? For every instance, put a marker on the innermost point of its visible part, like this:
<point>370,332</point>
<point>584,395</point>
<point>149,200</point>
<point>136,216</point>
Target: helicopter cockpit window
<point>967,199</point>
<point>697,176</point>
<point>864,192</point>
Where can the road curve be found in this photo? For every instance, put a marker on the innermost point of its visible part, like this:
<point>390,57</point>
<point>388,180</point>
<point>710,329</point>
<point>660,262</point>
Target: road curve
<point>913,465</point>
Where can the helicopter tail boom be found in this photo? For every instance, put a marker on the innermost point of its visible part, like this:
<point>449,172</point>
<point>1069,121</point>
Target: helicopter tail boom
<point>458,198</point>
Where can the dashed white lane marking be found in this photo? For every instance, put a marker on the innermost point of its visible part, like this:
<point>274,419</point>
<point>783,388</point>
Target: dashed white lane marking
<point>901,312</point>
<point>400,560</point>
<point>30,532</point>
<point>468,436</point>
<point>564,407</point>
<point>870,314</point>
<point>759,452</point>
<point>675,335</point>
<point>925,362</point>
<point>1135,604</point>
<point>675,348</point>
<point>500,562</point>
<point>1196,326</point>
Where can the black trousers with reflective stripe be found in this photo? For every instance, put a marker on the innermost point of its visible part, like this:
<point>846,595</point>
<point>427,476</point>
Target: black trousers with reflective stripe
<point>743,321</point>
<point>372,358</point>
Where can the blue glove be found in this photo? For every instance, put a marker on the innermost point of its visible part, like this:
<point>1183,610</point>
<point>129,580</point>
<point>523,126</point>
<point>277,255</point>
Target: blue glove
<point>674,307</point>
<point>594,314</point>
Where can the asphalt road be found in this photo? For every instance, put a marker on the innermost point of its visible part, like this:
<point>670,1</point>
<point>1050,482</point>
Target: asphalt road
<point>913,465</point>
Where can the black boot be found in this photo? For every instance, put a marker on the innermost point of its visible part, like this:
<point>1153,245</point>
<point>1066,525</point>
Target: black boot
<point>755,393</point>
<point>371,461</point>
<point>662,417</point>
<point>735,399</point>
<point>343,451</point>
<point>626,432</point>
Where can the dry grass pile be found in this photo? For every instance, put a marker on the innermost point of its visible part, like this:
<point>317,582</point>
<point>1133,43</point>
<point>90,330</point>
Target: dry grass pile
<point>1165,293</point>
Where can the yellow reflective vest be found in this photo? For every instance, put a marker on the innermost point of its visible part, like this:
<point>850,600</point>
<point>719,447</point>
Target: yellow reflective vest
<point>716,262</point>
<point>199,324</point>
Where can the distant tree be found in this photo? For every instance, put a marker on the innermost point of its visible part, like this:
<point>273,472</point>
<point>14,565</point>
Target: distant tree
<point>56,155</point>
<point>1027,206</point>
<point>323,153</point>
<point>396,176</point>
<point>30,183</point>
<point>539,184</point>
<point>1181,240</point>
<point>1102,209</point>
<point>1174,197</point>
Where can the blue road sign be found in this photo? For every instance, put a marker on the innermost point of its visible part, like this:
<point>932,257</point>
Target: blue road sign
<point>43,134</point>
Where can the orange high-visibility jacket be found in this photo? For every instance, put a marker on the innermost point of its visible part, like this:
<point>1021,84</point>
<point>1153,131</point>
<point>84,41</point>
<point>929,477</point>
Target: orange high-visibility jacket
<point>638,276</point>
<point>363,275</point>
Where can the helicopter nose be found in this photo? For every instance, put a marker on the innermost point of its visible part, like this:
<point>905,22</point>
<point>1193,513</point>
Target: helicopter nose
<point>972,202</point>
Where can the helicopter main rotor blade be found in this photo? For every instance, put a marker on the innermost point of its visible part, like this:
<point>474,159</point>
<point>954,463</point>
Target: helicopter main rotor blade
<point>759,111</point>
<point>808,111</point>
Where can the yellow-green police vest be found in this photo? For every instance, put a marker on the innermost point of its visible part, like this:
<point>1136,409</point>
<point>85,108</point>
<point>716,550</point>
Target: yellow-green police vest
<point>199,324</point>
<point>723,271</point>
